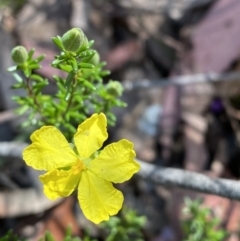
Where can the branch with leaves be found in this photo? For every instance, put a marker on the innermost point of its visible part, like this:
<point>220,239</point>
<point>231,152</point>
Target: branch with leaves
<point>78,95</point>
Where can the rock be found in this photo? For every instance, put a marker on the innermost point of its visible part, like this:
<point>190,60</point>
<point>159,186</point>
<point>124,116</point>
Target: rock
<point>215,44</point>
<point>39,20</point>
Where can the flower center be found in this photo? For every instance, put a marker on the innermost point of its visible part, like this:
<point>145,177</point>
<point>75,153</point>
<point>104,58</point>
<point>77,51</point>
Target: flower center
<point>78,167</point>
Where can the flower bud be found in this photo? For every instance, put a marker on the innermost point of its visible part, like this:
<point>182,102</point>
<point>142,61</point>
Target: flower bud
<point>73,39</point>
<point>114,88</point>
<point>19,55</point>
<point>85,41</point>
<point>95,59</point>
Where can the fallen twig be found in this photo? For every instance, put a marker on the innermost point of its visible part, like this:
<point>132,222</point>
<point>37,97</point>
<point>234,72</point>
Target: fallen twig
<point>190,180</point>
<point>182,80</point>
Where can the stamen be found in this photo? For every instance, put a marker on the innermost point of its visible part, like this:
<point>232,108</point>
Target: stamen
<point>78,167</point>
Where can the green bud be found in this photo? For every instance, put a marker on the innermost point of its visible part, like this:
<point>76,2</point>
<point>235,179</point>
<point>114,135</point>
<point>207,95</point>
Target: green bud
<point>73,39</point>
<point>85,41</point>
<point>95,59</point>
<point>114,88</point>
<point>19,55</point>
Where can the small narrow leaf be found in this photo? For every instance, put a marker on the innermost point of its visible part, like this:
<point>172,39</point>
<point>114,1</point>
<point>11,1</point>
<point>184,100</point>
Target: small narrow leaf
<point>105,73</point>
<point>27,72</point>
<point>40,58</point>
<point>69,80</point>
<point>34,66</point>
<point>30,54</point>
<point>36,77</point>
<point>18,78</point>
<point>22,110</point>
<point>17,86</point>
<point>86,65</point>
<point>58,41</point>
<point>90,43</point>
<point>12,68</point>
<point>87,53</point>
<point>65,68</point>
<point>89,85</point>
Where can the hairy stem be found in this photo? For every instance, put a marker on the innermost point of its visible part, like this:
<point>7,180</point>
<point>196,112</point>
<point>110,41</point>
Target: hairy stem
<point>33,96</point>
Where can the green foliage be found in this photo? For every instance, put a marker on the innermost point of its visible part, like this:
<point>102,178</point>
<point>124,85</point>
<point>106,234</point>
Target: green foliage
<point>127,227</point>
<point>199,223</point>
<point>13,4</point>
<point>78,95</point>
<point>68,236</point>
<point>47,237</point>
<point>10,236</point>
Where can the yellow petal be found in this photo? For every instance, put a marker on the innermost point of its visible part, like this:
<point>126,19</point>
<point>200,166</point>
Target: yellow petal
<point>49,150</point>
<point>98,198</point>
<point>90,135</point>
<point>116,162</point>
<point>59,183</point>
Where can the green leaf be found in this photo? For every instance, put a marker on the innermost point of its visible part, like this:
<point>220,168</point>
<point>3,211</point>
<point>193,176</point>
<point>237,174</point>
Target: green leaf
<point>89,85</point>
<point>22,110</point>
<point>105,73</point>
<point>111,116</point>
<point>87,53</point>
<point>36,77</point>
<point>17,86</point>
<point>77,115</point>
<point>40,58</point>
<point>49,237</point>
<point>55,63</point>
<point>90,43</point>
<point>84,47</point>
<point>89,56</point>
<point>38,87</point>
<point>34,66</point>
<point>19,99</point>
<point>18,78</point>
<point>86,65</point>
<point>74,65</point>
<point>30,54</point>
<point>120,103</point>
<point>26,124</point>
<point>70,127</point>
<point>27,72</point>
<point>58,41</point>
<point>46,97</point>
<point>12,68</point>
<point>69,81</point>
<point>61,88</point>
<point>66,68</point>
<point>77,107</point>
<point>58,106</point>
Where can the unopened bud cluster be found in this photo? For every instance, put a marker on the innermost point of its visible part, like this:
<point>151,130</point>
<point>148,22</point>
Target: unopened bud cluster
<point>114,88</point>
<point>73,39</point>
<point>19,55</point>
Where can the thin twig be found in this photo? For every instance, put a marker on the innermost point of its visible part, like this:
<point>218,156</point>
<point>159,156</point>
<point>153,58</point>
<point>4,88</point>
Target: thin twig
<point>190,180</point>
<point>162,176</point>
<point>32,95</point>
<point>182,80</point>
<point>70,99</point>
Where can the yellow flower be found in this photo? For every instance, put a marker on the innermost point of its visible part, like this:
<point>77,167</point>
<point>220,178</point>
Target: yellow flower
<point>83,167</point>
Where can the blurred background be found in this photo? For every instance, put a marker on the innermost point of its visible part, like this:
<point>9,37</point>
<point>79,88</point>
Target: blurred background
<point>179,62</point>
